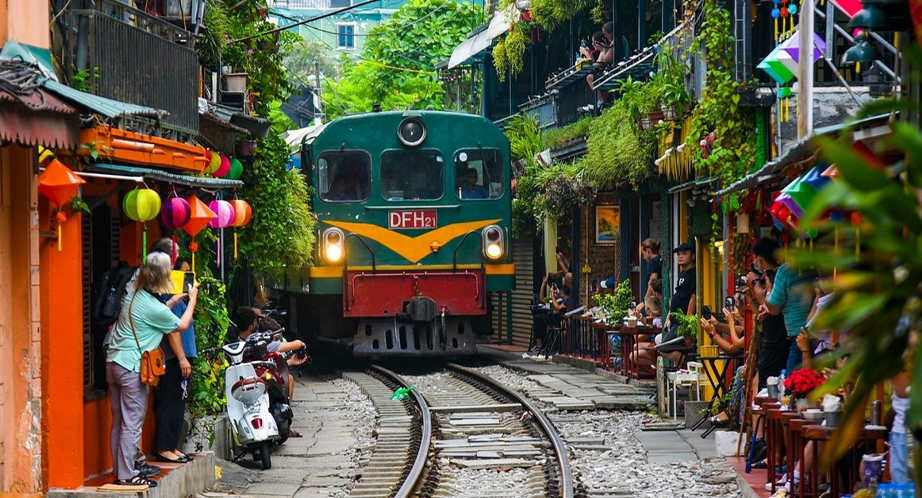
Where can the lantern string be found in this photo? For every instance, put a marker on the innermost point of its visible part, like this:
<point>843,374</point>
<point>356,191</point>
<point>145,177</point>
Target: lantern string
<point>59,236</point>
<point>235,243</point>
<point>193,262</point>
<point>219,251</point>
<point>174,254</point>
<point>144,243</point>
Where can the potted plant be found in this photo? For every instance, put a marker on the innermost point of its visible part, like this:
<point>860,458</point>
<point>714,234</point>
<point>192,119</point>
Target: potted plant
<point>675,101</point>
<point>616,304</point>
<point>688,326</point>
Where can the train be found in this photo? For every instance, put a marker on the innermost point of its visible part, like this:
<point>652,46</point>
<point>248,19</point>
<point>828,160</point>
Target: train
<point>413,233</point>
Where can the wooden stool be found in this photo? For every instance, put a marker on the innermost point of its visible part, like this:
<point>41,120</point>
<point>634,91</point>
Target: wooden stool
<point>796,451</point>
<point>774,439</point>
<point>790,453</point>
<point>813,434</point>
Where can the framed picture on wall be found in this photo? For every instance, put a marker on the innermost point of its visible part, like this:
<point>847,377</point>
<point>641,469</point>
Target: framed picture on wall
<point>607,224</point>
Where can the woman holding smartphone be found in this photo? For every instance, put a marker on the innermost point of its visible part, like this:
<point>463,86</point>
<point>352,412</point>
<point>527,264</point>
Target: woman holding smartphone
<point>174,387</point>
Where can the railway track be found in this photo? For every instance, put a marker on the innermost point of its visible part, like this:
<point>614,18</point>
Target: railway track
<point>469,436</point>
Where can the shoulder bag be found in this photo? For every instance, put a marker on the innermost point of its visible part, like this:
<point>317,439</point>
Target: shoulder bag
<point>152,363</point>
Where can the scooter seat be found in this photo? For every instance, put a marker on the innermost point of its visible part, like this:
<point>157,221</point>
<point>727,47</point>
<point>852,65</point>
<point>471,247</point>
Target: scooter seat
<point>248,390</point>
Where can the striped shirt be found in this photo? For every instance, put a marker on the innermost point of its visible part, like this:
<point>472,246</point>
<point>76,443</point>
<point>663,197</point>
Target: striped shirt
<point>793,293</point>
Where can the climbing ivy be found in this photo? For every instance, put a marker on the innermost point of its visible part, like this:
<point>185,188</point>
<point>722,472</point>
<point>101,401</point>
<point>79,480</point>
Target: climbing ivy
<point>734,146</point>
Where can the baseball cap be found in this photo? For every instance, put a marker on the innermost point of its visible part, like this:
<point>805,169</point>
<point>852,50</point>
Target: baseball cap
<point>684,247</point>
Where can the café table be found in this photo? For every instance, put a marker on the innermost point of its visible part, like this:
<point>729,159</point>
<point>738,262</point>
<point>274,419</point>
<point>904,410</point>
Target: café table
<point>717,381</point>
<point>813,434</point>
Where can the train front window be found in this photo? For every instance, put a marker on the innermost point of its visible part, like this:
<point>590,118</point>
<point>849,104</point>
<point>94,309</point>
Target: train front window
<point>479,174</point>
<point>412,175</point>
<point>343,175</point>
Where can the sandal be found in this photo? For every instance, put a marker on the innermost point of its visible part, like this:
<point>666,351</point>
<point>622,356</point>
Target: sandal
<point>136,481</point>
<point>185,456</point>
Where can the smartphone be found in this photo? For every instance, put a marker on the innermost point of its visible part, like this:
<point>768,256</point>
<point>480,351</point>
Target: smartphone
<point>706,312</point>
<point>188,280</point>
<point>632,306</point>
<point>731,303</point>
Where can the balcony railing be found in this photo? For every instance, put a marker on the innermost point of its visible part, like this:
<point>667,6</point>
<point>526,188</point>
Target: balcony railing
<point>300,4</point>
<point>130,56</point>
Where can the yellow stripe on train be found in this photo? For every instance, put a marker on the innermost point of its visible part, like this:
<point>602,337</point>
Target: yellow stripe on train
<point>337,271</point>
<point>413,249</point>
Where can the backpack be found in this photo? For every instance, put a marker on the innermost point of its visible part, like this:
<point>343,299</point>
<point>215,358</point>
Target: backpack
<point>108,292</point>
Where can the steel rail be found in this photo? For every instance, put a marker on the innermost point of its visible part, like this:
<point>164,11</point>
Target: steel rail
<point>566,473</point>
<point>412,480</point>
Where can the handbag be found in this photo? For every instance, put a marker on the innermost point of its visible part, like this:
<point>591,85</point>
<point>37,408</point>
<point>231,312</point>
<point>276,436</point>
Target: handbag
<point>152,363</point>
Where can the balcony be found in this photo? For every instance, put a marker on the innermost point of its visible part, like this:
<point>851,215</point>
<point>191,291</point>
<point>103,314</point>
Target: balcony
<point>125,54</point>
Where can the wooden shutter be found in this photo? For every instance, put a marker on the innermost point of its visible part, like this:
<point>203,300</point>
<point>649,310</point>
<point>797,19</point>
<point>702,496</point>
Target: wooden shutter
<point>87,243</point>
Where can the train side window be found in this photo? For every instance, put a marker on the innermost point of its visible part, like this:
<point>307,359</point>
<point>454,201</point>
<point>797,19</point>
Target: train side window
<point>343,175</point>
<point>479,174</point>
<point>415,174</point>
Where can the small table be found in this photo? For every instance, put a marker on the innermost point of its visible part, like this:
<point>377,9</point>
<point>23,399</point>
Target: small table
<point>717,382</point>
<point>813,434</point>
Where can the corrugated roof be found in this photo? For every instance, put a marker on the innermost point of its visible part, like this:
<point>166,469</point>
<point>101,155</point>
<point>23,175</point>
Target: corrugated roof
<point>256,125</point>
<point>101,105</point>
<point>163,176</point>
<point>774,170</point>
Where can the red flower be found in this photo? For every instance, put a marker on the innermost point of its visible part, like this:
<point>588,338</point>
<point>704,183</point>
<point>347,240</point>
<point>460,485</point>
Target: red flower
<point>802,381</point>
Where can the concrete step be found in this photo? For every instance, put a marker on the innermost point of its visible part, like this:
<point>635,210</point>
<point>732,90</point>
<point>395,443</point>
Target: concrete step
<point>174,480</point>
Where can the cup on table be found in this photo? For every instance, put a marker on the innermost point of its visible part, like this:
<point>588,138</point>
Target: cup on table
<point>832,418</point>
<point>632,321</point>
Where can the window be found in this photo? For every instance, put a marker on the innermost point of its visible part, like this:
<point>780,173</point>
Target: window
<point>479,174</point>
<point>346,36</point>
<point>343,175</point>
<point>412,174</point>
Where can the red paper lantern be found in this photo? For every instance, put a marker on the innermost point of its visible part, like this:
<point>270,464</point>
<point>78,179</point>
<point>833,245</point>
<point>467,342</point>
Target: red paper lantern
<point>224,168</point>
<point>58,183</point>
<point>200,216</point>
<point>175,213</point>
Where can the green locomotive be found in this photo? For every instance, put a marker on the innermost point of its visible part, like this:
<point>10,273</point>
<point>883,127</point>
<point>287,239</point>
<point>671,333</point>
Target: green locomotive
<point>414,224</point>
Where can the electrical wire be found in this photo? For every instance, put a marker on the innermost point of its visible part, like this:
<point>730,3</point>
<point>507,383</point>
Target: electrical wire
<point>19,79</point>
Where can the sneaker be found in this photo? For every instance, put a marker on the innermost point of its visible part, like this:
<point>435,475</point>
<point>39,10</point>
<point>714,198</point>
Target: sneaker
<point>534,349</point>
<point>146,470</point>
<point>779,483</point>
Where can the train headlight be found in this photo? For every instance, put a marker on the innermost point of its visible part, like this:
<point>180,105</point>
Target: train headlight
<point>493,246</point>
<point>411,132</point>
<point>333,245</point>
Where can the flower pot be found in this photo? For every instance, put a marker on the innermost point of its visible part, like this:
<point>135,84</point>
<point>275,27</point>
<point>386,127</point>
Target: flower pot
<point>668,113</point>
<point>655,117</point>
<point>246,147</point>
<point>802,404</point>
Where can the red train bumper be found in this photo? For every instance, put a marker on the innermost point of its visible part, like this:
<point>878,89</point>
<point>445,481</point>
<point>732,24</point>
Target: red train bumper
<point>383,294</point>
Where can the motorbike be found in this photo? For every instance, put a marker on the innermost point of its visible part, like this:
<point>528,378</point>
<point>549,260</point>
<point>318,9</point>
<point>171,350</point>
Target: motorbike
<point>272,368</point>
<point>248,406</point>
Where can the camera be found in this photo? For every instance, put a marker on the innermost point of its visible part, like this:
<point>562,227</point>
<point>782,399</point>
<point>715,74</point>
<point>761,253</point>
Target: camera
<point>730,303</point>
<point>582,43</point>
<point>302,353</point>
<point>632,306</point>
<point>706,312</point>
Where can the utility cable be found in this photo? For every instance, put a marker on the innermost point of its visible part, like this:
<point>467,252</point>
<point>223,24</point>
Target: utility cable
<point>305,21</point>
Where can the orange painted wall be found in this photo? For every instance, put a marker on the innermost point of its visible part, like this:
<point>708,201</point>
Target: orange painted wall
<point>19,20</point>
<point>20,389</point>
<point>62,350</point>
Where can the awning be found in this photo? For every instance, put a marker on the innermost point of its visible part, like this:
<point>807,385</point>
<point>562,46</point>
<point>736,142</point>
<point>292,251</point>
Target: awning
<point>207,111</point>
<point>294,138</point>
<point>256,126</point>
<point>481,39</point>
<point>29,114</point>
<point>115,145</point>
<point>101,105</point>
<point>774,170</point>
<point>703,182</point>
<point>163,176</point>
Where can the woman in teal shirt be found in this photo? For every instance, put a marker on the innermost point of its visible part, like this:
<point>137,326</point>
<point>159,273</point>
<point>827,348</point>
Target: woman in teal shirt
<point>141,325</point>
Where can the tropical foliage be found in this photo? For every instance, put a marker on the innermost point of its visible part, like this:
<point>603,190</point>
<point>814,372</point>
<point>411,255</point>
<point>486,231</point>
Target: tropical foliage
<point>397,67</point>
<point>872,251</point>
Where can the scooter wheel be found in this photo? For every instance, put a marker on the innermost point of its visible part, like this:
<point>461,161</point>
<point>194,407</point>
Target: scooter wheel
<point>265,454</point>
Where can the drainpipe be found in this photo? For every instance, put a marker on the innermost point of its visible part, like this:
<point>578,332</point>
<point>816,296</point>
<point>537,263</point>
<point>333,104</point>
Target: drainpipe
<point>83,34</point>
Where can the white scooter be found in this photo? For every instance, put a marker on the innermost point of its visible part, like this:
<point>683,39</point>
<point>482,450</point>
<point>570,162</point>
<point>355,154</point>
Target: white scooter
<point>253,425</point>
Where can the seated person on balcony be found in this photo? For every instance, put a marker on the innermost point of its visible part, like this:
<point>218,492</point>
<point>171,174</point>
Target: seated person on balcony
<point>470,189</point>
<point>604,55</point>
<point>684,298</point>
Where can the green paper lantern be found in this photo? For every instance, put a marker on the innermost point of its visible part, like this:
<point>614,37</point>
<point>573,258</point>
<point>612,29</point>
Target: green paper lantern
<point>236,170</point>
<point>142,204</point>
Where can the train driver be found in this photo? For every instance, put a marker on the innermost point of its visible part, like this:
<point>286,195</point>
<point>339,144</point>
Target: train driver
<point>471,190</point>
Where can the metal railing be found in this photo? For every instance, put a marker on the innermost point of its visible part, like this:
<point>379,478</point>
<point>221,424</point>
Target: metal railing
<point>136,58</point>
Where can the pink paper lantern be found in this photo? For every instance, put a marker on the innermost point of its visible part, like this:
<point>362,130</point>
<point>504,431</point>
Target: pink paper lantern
<point>224,168</point>
<point>175,213</point>
<point>224,212</point>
